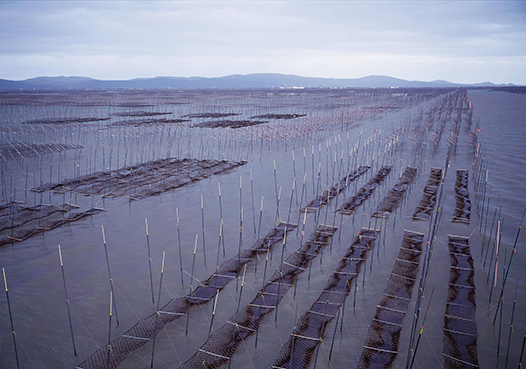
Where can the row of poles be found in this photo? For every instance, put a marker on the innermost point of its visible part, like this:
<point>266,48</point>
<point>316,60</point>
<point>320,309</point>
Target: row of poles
<point>370,149</point>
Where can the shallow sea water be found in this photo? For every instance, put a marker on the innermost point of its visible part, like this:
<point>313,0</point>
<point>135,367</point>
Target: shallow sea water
<point>35,282</point>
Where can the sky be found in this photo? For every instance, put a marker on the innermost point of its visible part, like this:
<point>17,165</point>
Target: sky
<point>457,41</point>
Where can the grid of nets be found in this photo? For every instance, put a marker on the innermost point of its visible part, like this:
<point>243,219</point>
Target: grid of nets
<point>429,198</point>
<point>381,344</point>
<point>310,328</point>
<point>462,204</point>
<point>22,150</point>
<point>145,179</point>
<point>20,235</point>
<point>460,327</point>
<point>142,332</point>
<point>222,342</point>
<point>367,190</point>
<point>389,202</point>
<point>443,114</point>
<point>337,188</point>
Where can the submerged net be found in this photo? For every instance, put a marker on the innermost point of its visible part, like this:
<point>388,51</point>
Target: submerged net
<point>334,190</point>
<point>16,215</point>
<point>222,342</point>
<point>229,123</point>
<point>310,328</point>
<point>429,198</point>
<point>46,225</point>
<point>144,179</point>
<point>462,204</point>
<point>381,344</point>
<point>142,332</point>
<point>390,202</point>
<point>22,150</point>
<point>148,122</point>
<point>367,190</point>
<point>460,327</point>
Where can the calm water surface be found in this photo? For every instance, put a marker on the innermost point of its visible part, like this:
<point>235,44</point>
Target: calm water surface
<point>35,282</point>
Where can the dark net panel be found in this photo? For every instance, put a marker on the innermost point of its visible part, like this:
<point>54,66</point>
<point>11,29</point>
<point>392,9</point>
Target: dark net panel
<point>460,328</point>
<point>389,202</point>
<point>367,190</point>
<point>142,332</point>
<point>335,189</point>
<point>22,150</point>
<point>310,328</point>
<point>426,205</point>
<point>222,343</point>
<point>381,344</point>
<point>144,179</point>
<point>462,210</point>
<point>20,215</point>
<point>46,224</point>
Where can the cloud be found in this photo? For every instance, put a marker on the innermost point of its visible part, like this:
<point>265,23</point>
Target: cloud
<point>120,40</point>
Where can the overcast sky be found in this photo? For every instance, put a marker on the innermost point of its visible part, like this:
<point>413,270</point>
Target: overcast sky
<point>458,41</point>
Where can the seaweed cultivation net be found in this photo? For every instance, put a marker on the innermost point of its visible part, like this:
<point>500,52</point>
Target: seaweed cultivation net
<point>381,344</point>
<point>22,150</point>
<point>460,327</point>
<point>23,234</point>
<point>310,328</point>
<point>66,120</point>
<point>429,198</point>
<point>222,342</point>
<point>363,194</point>
<point>443,114</point>
<point>462,204</point>
<point>389,202</point>
<point>336,189</point>
<point>151,121</point>
<point>229,123</point>
<point>142,332</point>
<point>20,215</point>
<point>10,208</point>
<point>209,115</point>
<point>145,179</point>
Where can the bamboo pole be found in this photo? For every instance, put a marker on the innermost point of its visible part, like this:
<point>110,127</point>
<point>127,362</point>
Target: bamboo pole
<point>11,319</point>
<point>109,274</point>
<point>149,257</point>
<point>511,325</point>
<point>191,286</point>
<point>67,300</point>
<point>509,265</point>
<point>203,229</point>
<point>109,331</point>
<point>157,310</point>
<point>179,241</point>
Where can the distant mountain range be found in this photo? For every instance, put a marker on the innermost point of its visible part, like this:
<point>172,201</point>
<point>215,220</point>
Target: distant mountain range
<point>258,80</point>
